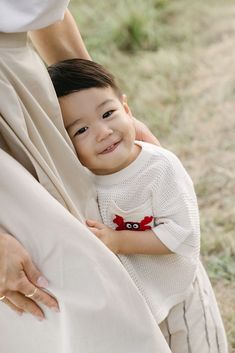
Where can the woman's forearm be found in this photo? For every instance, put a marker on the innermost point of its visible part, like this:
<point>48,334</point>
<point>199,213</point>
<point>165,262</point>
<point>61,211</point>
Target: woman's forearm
<point>60,41</point>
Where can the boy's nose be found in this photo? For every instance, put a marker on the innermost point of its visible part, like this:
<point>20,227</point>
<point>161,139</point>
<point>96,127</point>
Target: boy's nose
<point>103,131</point>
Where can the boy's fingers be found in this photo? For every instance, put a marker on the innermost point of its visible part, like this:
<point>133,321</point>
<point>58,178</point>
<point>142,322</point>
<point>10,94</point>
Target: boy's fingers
<point>94,231</point>
<point>90,222</point>
<point>95,224</point>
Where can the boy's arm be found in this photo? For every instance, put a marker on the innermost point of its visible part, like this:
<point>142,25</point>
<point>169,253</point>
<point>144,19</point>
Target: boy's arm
<point>140,242</point>
<point>127,241</point>
<point>60,41</point>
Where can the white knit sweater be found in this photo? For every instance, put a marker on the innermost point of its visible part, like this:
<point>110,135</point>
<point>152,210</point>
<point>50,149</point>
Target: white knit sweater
<point>155,184</point>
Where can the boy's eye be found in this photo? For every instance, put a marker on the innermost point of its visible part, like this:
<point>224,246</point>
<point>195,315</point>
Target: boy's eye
<point>81,131</point>
<point>107,114</point>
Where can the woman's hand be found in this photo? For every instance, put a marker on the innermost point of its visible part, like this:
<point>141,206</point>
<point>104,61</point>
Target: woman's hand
<point>21,283</point>
<point>107,235</point>
<point>143,133</point>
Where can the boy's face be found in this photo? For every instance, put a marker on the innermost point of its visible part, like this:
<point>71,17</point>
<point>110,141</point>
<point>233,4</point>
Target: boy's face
<point>101,129</point>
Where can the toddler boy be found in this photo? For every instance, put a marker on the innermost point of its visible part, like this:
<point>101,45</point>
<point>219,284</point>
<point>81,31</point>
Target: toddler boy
<point>148,207</point>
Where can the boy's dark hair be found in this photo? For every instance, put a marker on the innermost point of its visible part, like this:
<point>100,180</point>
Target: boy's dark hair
<point>73,75</point>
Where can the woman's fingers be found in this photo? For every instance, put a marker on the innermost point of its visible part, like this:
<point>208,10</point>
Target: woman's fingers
<point>44,298</point>
<point>12,306</point>
<point>33,274</point>
<point>26,305</point>
<point>143,133</point>
<point>28,298</point>
<point>20,280</point>
<point>35,294</point>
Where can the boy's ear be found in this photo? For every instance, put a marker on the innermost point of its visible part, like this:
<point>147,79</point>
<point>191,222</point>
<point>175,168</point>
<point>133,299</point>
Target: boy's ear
<point>125,105</point>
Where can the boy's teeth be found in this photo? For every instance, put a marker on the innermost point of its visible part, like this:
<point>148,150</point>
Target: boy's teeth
<point>109,148</point>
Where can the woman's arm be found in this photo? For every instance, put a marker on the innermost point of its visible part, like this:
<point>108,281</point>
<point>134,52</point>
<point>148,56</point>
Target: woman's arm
<point>60,41</point>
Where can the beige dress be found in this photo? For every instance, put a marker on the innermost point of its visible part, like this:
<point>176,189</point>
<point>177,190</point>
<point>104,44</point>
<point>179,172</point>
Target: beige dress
<point>101,309</point>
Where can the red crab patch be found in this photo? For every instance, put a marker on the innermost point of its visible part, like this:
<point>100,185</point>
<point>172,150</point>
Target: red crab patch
<point>137,226</point>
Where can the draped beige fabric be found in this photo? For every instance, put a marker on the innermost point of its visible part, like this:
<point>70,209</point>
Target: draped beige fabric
<point>101,309</point>
<point>29,115</point>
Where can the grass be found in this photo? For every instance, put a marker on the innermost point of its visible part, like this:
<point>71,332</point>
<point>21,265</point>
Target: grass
<point>175,61</point>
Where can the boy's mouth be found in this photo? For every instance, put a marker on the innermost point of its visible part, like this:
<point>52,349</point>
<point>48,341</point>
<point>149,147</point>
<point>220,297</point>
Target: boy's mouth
<point>110,148</point>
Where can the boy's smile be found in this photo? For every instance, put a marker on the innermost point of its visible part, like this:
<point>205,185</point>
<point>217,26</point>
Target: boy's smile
<point>101,128</point>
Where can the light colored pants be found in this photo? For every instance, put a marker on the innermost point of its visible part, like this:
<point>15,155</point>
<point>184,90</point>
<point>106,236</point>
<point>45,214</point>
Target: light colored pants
<point>101,309</point>
<point>195,325</point>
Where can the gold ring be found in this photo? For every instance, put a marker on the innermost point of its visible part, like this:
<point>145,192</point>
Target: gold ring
<point>31,294</point>
<point>3,297</point>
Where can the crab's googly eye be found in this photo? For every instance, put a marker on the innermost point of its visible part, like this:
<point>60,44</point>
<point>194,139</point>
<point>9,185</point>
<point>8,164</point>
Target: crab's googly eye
<point>128,226</point>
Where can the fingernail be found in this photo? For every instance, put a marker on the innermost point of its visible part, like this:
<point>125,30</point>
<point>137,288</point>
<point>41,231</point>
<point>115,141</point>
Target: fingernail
<point>42,282</point>
<point>20,313</point>
<point>55,309</point>
<point>39,318</point>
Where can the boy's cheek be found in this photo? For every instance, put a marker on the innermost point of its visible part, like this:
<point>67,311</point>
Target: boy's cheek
<point>77,148</point>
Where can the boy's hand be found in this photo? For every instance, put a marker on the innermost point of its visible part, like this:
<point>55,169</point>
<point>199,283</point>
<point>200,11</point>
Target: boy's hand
<point>107,235</point>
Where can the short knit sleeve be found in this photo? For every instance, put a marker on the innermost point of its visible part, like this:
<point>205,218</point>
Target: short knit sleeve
<point>175,206</point>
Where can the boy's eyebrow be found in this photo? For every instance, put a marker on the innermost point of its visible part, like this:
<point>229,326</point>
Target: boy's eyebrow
<point>105,102</point>
<point>73,123</point>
